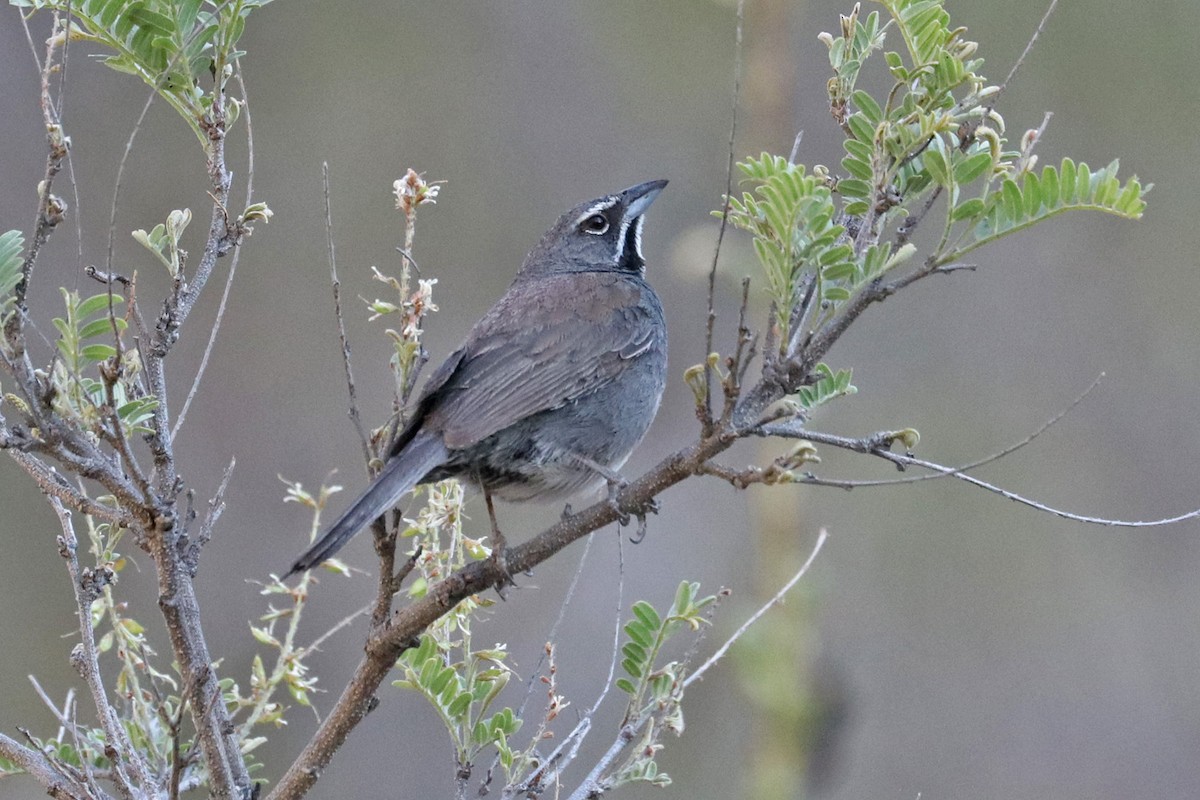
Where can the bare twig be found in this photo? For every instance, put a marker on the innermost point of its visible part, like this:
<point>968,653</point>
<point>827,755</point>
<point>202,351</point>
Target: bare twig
<point>552,636</point>
<point>233,262</point>
<point>216,507</point>
<point>336,283</point>
<point>320,640</point>
<point>749,623</point>
<point>878,444</point>
<point>64,721</point>
<point>53,485</point>
<point>86,585</point>
<point>50,209</point>
<point>55,780</point>
<point>1012,448</point>
<point>710,321</point>
<point>117,182</point>
<point>550,770</point>
<point>386,643</point>
<point>1025,53</point>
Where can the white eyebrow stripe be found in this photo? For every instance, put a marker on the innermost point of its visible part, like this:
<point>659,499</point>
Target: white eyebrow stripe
<point>596,208</point>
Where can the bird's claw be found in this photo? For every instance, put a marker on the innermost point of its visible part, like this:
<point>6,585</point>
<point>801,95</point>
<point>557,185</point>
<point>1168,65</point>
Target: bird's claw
<point>499,561</point>
<point>647,508</point>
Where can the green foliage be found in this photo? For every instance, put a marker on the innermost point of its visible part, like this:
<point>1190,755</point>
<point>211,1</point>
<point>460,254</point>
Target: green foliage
<point>791,215</point>
<point>163,240</point>
<point>932,142</point>
<point>172,45</point>
<point>655,690</point>
<point>460,682</point>
<point>1032,198</point>
<point>829,386</point>
<point>462,693</point>
<point>89,336</point>
<point>12,245</point>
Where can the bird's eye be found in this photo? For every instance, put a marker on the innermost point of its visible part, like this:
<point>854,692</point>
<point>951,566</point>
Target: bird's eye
<point>596,224</point>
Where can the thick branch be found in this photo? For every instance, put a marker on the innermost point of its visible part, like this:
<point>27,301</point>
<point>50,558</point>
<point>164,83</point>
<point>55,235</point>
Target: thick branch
<point>387,643</point>
<point>56,783</point>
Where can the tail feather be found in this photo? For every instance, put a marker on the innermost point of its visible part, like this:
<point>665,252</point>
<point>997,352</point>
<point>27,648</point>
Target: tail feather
<point>399,476</point>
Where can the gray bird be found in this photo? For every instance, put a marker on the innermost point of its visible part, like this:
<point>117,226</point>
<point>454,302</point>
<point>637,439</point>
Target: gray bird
<point>552,389</point>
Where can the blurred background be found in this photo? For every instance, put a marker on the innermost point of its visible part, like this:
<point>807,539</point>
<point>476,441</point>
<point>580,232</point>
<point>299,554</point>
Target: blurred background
<point>947,643</point>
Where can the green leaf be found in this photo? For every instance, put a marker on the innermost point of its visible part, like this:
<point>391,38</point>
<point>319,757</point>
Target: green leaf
<point>102,327</point>
<point>972,167</point>
<point>968,209</point>
<point>859,150</point>
<point>1067,181</point>
<point>867,105</point>
<point>862,129</point>
<point>1072,188</point>
<point>12,244</point>
<point>97,352</point>
<point>441,680</point>
<point>935,162</point>
<point>647,615</point>
<point>1050,187</point>
<point>857,168</point>
<point>841,271</point>
<point>639,634</point>
<point>852,187</point>
<point>684,595</point>
<point>96,303</point>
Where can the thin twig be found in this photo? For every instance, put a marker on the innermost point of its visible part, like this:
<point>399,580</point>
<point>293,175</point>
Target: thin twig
<point>1025,53</point>
<point>877,445</point>
<point>336,283</point>
<point>85,658</point>
<point>114,204</point>
<point>63,720</point>
<point>552,636</point>
<point>1012,448</point>
<point>233,262</point>
<point>216,507</point>
<point>749,623</point>
<point>320,640</point>
<point>53,485</point>
<point>712,272</point>
<point>551,768</point>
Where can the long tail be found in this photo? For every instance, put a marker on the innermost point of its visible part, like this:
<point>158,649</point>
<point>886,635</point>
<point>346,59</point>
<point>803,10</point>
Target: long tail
<point>400,474</point>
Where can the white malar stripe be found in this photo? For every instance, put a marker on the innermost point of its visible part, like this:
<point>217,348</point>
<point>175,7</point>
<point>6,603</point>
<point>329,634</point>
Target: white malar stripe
<point>620,248</point>
<point>637,238</point>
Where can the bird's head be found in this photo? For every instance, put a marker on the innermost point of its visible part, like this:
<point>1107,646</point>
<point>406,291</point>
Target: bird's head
<point>599,235</point>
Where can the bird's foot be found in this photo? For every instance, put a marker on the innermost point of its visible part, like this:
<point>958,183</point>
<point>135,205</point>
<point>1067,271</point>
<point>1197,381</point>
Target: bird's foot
<point>499,562</point>
<point>649,507</point>
<point>615,485</point>
<point>499,556</point>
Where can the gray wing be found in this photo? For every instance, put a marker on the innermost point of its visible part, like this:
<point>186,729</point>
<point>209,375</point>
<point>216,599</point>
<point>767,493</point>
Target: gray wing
<point>543,345</point>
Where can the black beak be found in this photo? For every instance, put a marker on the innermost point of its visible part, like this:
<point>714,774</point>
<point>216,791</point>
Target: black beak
<point>637,199</point>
